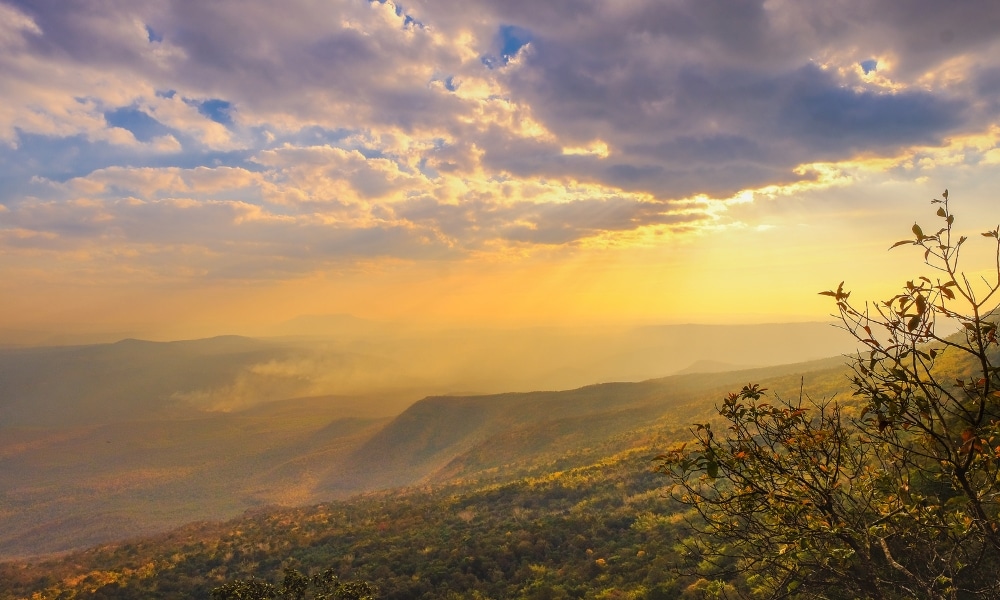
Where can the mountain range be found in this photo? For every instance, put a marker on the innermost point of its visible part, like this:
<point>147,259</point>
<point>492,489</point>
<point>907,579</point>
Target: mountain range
<point>104,442</point>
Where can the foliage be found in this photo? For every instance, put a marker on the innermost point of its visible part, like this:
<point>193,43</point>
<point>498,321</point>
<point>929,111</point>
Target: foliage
<point>896,500</point>
<point>590,532</point>
<point>585,519</point>
<point>296,586</point>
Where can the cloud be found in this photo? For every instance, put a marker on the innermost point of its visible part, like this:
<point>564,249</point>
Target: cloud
<point>15,27</point>
<point>235,133</point>
<point>740,98</point>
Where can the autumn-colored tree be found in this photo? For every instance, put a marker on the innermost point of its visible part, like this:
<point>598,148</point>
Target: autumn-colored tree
<point>296,586</point>
<point>892,494</point>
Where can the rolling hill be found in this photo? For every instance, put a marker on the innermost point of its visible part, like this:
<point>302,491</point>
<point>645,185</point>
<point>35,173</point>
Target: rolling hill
<point>547,495</point>
<point>99,443</point>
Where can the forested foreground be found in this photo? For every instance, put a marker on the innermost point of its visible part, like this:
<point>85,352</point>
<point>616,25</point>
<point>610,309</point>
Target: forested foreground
<point>604,531</point>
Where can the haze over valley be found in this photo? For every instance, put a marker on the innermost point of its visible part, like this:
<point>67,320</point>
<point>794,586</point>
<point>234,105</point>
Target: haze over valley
<point>108,441</point>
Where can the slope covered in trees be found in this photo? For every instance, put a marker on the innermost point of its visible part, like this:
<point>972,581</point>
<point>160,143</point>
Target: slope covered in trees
<point>555,503</point>
<point>74,487</point>
<point>599,531</point>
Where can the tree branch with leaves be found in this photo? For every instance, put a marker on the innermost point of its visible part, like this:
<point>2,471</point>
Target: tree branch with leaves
<point>796,499</point>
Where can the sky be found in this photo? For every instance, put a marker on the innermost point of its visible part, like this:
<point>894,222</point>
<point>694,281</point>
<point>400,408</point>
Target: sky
<point>180,168</point>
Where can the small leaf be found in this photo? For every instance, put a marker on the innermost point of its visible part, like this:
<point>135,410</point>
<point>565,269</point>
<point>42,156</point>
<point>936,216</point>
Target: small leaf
<point>917,231</point>
<point>944,194</point>
<point>940,212</point>
<point>903,242</point>
<point>913,322</point>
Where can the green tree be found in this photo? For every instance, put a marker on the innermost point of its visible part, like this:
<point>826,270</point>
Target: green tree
<point>892,494</point>
<point>296,586</point>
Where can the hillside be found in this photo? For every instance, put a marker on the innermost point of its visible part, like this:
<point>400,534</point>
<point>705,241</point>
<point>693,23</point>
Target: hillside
<point>69,488</point>
<point>599,531</point>
<point>75,487</point>
<point>441,438</point>
<point>106,441</point>
<point>543,495</point>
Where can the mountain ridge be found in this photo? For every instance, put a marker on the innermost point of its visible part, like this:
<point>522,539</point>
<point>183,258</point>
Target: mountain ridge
<point>150,466</point>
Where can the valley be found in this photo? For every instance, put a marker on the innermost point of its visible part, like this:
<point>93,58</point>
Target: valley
<point>513,455</point>
<point>103,442</point>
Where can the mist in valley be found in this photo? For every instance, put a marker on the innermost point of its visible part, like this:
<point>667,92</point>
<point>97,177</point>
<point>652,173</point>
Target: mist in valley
<point>104,441</point>
<point>388,364</point>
